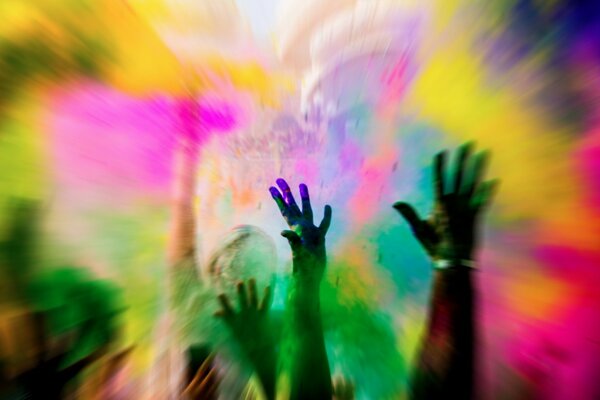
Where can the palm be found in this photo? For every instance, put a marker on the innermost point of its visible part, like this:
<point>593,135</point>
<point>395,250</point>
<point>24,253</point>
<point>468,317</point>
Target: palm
<point>305,238</point>
<point>250,324</point>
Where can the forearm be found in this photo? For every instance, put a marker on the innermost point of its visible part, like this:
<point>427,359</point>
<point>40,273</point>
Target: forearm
<point>446,362</point>
<point>310,375</point>
<point>181,244</point>
<point>183,225</point>
<point>262,350</point>
<point>181,247</point>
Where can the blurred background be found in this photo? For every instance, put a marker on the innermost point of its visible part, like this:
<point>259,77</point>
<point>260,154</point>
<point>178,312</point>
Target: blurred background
<point>111,111</point>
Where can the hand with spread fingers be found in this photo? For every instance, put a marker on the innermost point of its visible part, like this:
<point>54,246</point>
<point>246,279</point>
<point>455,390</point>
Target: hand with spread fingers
<point>306,240</point>
<point>253,329</point>
<point>205,383</point>
<point>446,362</point>
<point>451,232</point>
<point>307,362</point>
<point>251,321</point>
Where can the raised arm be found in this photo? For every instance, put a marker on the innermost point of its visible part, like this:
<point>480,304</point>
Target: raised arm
<point>445,366</point>
<point>181,246</point>
<point>310,377</point>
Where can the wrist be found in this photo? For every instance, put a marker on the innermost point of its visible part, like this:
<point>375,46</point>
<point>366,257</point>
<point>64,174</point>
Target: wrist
<point>447,263</point>
<point>312,256</point>
<point>453,255</point>
<point>308,269</point>
<point>453,284</point>
<point>454,252</point>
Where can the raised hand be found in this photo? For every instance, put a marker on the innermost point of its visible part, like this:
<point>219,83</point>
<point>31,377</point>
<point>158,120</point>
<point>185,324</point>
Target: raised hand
<point>250,323</point>
<point>254,330</point>
<point>306,360</point>
<point>205,383</point>
<point>446,363</point>
<point>450,233</point>
<point>306,240</point>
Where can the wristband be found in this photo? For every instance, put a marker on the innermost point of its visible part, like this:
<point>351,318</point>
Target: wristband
<point>445,264</point>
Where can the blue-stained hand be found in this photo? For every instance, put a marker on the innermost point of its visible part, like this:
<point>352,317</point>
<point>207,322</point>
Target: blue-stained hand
<point>307,240</point>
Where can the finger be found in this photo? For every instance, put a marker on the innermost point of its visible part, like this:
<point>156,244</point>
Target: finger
<point>226,309</point>
<point>292,238</point>
<point>479,168</point>
<point>201,375</point>
<point>209,385</point>
<point>204,368</point>
<point>242,297</point>
<point>252,297</point>
<point>463,155</point>
<point>409,214</point>
<point>283,207</point>
<point>326,222</point>
<point>306,207</point>
<point>189,393</point>
<point>484,194</point>
<point>287,195</point>
<point>438,174</point>
<point>265,304</point>
<point>210,393</point>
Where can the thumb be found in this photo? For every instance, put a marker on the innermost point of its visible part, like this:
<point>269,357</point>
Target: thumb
<point>292,237</point>
<point>409,214</point>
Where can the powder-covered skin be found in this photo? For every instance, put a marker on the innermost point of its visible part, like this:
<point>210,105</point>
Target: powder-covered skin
<point>90,127</point>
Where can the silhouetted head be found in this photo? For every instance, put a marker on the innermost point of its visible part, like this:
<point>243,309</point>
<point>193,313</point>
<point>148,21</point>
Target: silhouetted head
<point>245,252</point>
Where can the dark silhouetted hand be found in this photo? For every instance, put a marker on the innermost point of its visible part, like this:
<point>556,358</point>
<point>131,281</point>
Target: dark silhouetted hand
<point>254,331</point>
<point>446,361</point>
<point>252,315</point>
<point>451,231</point>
